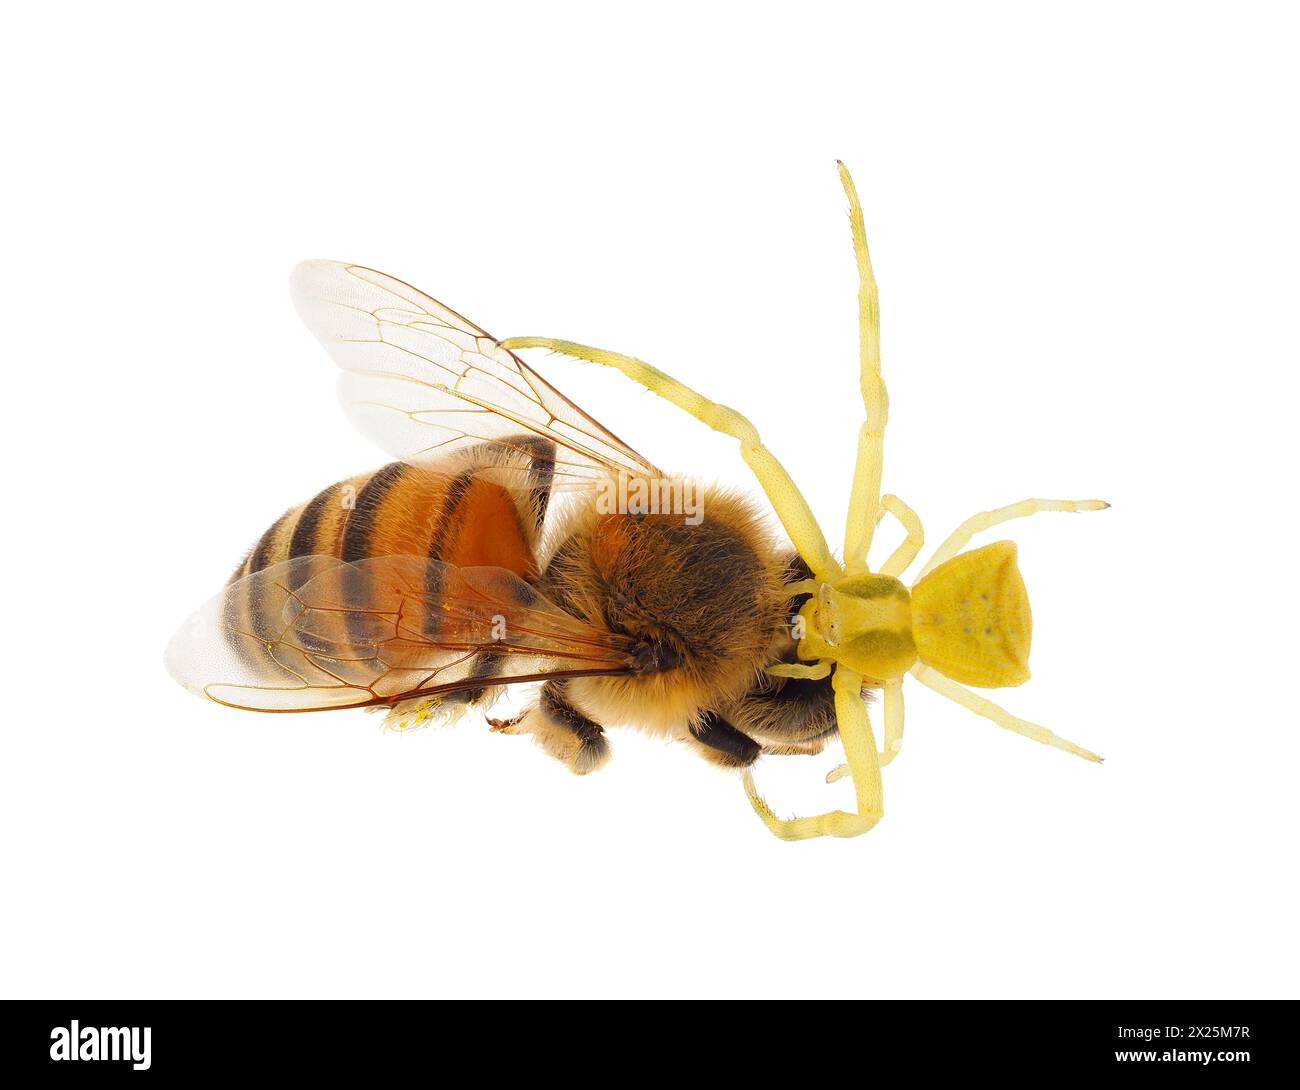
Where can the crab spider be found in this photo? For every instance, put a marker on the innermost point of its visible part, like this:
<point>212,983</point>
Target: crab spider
<point>964,622</point>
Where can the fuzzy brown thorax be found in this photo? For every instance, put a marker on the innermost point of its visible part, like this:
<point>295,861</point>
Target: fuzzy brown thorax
<point>703,605</point>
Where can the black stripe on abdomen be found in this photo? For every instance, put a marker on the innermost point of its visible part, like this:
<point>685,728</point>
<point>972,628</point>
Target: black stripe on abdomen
<point>541,475</point>
<point>261,556</point>
<point>304,541</point>
<point>361,519</point>
<point>357,535</point>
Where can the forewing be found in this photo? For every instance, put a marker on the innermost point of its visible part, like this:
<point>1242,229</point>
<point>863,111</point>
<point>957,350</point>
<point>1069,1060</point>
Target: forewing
<point>316,632</point>
<point>423,382</point>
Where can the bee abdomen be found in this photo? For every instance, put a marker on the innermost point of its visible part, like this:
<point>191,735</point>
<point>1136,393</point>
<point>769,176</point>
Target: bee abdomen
<point>314,527</point>
<point>458,513</point>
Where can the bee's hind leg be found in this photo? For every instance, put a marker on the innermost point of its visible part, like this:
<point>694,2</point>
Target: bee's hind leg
<point>433,711</point>
<point>560,729</point>
<point>718,741</point>
<point>805,747</point>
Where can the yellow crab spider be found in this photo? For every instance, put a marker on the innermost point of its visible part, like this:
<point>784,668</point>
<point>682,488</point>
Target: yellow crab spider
<point>964,622</point>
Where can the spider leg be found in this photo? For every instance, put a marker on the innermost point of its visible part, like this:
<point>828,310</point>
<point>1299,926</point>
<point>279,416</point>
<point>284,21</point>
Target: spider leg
<point>800,670</point>
<point>959,694</point>
<point>864,500</point>
<point>860,748</point>
<point>893,720</point>
<point>893,730</point>
<point>786,499</point>
<point>901,557</point>
<point>986,520</point>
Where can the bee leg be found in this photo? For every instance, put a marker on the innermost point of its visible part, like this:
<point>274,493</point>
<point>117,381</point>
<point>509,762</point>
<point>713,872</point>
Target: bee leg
<point>560,729</point>
<point>720,742</point>
<point>484,665</point>
<point>806,747</point>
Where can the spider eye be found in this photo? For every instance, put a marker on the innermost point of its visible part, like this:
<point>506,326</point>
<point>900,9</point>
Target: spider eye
<point>828,616</point>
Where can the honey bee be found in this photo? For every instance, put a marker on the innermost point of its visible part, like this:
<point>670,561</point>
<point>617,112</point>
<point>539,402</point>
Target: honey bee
<point>516,540</point>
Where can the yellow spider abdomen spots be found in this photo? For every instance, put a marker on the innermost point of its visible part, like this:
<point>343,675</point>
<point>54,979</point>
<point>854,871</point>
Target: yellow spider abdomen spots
<point>863,622</point>
<point>971,619</point>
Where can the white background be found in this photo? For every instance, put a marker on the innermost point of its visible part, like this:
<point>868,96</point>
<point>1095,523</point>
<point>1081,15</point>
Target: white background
<point>1084,227</point>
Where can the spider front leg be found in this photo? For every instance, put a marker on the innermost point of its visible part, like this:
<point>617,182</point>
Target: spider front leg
<point>786,499</point>
<point>864,499</point>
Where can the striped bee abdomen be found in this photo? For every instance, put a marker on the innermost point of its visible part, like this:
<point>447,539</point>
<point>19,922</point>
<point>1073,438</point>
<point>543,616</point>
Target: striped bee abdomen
<point>485,507</point>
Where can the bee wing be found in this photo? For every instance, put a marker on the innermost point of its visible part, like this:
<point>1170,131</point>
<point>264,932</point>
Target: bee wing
<point>422,381</point>
<point>316,632</point>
